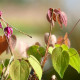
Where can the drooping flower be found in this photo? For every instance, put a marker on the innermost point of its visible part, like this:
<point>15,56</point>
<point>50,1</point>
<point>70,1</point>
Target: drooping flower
<point>56,14</point>
<point>61,17</point>
<point>0,25</point>
<point>8,31</point>
<point>0,13</point>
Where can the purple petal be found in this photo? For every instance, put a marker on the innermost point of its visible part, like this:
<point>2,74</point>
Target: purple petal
<point>8,31</point>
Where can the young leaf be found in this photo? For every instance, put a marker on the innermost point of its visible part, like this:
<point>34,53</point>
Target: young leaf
<point>65,47</point>
<point>6,62</point>
<point>36,51</point>
<point>60,60</point>
<point>50,49</point>
<point>3,44</point>
<point>36,66</point>
<point>74,59</point>
<point>1,69</point>
<point>57,45</point>
<point>19,70</point>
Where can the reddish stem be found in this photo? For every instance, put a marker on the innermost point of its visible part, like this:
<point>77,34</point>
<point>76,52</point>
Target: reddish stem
<point>46,53</point>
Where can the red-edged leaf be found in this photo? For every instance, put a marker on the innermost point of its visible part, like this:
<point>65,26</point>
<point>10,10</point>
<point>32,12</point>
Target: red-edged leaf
<point>3,44</point>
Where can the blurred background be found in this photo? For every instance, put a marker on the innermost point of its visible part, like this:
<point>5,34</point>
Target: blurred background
<point>29,16</point>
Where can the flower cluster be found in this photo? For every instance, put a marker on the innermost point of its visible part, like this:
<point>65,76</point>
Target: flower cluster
<point>7,30</point>
<point>54,15</point>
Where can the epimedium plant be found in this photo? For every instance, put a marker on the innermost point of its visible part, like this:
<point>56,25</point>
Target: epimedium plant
<point>31,67</point>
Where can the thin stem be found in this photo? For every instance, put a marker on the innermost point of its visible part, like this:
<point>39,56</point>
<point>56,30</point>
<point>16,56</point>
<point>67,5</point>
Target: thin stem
<point>74,27</point>
<point>16,28</point>
<point>46,53</point>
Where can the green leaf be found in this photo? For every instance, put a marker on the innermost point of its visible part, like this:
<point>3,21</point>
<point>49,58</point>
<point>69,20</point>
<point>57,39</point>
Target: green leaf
<point>36,66</point>
<point>57,45</point>
<point>74,59</point>
<point>50,49</point>
<point>36,51</point>
<point>42,51</point>
<point>60,60</point>
<point>19,70</point>
<point>6,62</point>
<point>65,47</point>
<point>1,69</point>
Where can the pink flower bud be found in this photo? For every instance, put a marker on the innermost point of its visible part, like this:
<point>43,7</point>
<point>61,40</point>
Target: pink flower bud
<point>0,25</point>
<point>8,31</point>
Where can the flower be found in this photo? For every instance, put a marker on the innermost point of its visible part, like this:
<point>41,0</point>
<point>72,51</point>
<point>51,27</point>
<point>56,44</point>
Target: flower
<point>0,25</point>
<point>8,31</point>
<point>61,17</point>
<point>0,13</point>
<point>56,14</point>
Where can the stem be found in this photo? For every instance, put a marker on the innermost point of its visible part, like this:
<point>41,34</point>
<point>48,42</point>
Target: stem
<point>16,28</point>
<point>74,27</point>
<point>46,53</point>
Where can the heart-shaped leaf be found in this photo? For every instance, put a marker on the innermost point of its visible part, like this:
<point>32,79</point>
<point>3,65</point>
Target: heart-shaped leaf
<point>19,70</point>
<point>36,66</point>
<point>36,51</point>
<point>60,60</point>
<point>3,44</point>
<point>74,59</point>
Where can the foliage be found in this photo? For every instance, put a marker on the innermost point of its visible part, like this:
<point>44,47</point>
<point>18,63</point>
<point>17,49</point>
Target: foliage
<point>32,67</point>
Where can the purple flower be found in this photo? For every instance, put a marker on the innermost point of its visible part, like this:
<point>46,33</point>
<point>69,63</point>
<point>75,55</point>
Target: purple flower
<point>0,13</point>
<point>8,31</point>
<point>0,25</point>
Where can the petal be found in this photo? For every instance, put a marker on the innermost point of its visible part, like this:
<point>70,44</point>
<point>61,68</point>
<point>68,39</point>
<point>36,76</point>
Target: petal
<point>8,31</point>
<point>64,18</point>
<point>50,11</point>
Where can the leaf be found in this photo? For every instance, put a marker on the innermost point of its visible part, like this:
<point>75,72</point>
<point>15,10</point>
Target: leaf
<point>3,44</point>
<point>74,59</point>
<point>59,21</point>
<point>1,69</point>
<point>36,51</point>
<point>12,42</point>
<point>54,17</point>
<point>66,40</point>
<point>36,66</point>
<point>6,62</point>
<point>65,47</point>
<point>42,51</point>
<point>57,45</point>
<point>19,70</point>
<point>50,49</point>
<point>60,60</point>
<point>60,40</point>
